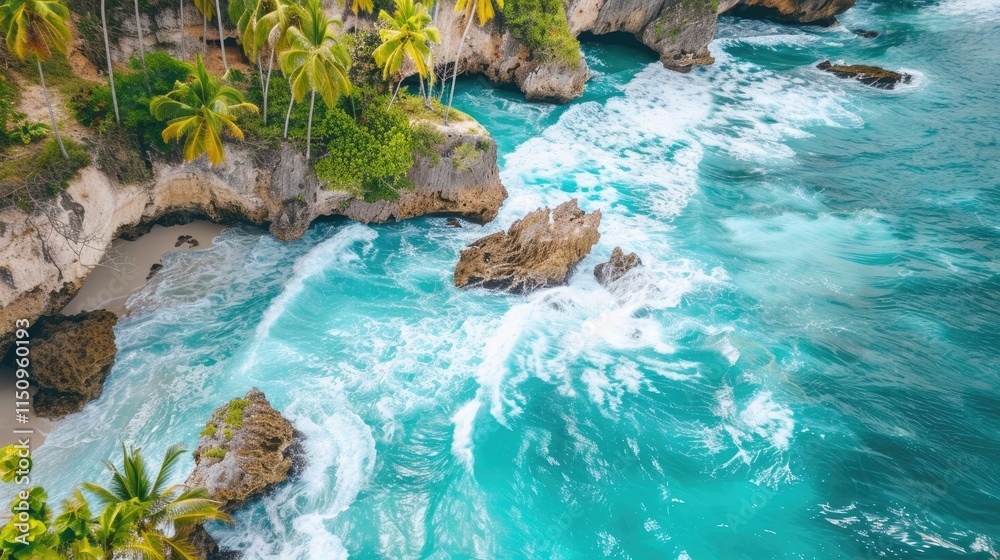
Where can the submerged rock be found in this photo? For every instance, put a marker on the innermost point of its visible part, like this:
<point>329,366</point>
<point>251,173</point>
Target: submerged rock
<point>870,75</point>
<point>538,251</point>
<point>70,359</point>
<point>866,33</point>
<point>618,265</point>
<point>245,450</point>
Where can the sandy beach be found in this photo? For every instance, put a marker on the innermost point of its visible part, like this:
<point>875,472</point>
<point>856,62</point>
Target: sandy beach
<point>124,271</point>
<point>127,265</point>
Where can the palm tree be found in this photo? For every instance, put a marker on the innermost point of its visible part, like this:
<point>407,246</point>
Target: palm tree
<point>35,28</point>
<point>206,8</point>
<point>270,31</point>
<point>247,14</point>
<point>202,111</point>
<point>315,61</point>
<point>111,71</point>
<point>407,35</point>
<point>362,5</point>
<point>222,38</point>
<point>483,9</point>
<point>158,514</point>
<point>142,48</point>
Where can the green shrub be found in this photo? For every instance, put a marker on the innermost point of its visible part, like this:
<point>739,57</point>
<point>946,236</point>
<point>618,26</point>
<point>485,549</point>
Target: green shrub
<point>228,433</point>
<point>368,156</point>
<point>234,414</point>
<point>464,156</point>
<point>541,25</point>
<point>210,429</point>
<point>427,141</point>
<point>54,172</point>
<point>93,107</point>
<point>24,132</point>
<point>216,453</point>
<point>40,174</point>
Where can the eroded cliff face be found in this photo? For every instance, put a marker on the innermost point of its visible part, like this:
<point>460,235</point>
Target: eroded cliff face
<point>45,255</point>
<point>820,12</point>
<point>678,30</point>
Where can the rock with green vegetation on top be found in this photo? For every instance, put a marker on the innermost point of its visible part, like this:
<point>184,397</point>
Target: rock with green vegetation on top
<point>245,450</point>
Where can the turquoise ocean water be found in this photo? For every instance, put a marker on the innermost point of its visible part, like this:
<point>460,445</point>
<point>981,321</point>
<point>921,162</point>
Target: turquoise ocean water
<point>807,366</point>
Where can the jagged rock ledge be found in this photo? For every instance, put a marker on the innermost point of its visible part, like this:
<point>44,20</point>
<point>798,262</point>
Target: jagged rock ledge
<point>607,273</point>
<point>868,75</point>
<point>45,255</point>
<point>538,251</point>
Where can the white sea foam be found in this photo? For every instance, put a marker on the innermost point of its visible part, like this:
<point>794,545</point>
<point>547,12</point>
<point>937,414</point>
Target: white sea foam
<point>330,252</point>
<point>464,421</point>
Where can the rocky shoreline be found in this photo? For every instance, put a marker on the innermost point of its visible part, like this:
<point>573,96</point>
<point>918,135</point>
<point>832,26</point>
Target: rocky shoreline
<point>45,255</point>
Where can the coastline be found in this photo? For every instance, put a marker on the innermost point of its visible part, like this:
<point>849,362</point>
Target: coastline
<point>126,266</point>
<point>108,287</point>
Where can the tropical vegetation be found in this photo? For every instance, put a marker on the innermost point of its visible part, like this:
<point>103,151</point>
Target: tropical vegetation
<point>157,106</point>
<point>315,61</point>
<point>138,515</point>
<point>473,10</point>
<point>201,111</point>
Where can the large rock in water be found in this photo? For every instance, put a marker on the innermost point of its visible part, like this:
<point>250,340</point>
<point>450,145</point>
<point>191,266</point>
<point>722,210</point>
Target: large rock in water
<point>538,251</point>
<point>618,265</point>
<point>70,359</point>
<point>870,75</point>
<point>245,450</point>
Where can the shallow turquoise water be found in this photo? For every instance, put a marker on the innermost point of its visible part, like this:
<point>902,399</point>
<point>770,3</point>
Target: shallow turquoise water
<point>806,368</point>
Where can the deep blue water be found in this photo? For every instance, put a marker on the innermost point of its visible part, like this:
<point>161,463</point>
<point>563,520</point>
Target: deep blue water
<point>806,366</point>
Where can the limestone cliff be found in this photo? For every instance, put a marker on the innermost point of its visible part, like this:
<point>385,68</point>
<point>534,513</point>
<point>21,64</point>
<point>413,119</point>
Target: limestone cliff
<point>679,31</point>
<point>45,255</point>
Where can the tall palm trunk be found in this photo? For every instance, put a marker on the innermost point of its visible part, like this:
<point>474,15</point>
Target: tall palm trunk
<point>52,115</point>
<point>395,93</point>
<point>288,115</point>
<point>222,39</point>
<point>309,127</point>
<point>204,35</point>
<point>142,48</point>
<point>458,58</point>
<point>181,6</point>
<point>111,71</point>
<point>267,83</point>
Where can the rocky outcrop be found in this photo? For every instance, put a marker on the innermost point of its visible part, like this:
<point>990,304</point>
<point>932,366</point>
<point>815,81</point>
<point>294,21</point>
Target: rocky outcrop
<point>538,251</point>
<point>866,33</point>
<point>869,75</point>
<point>816,12</point>
<point>607,273</point>
<point>70,359</point>
<point>245,450</point>
<point>45,255</point>
<point>679,31</point>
